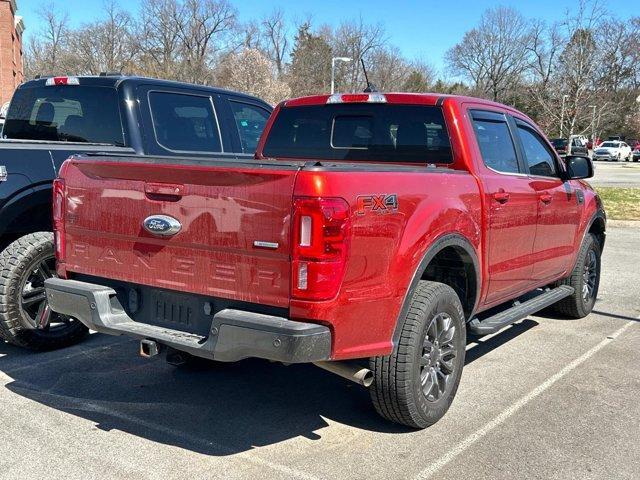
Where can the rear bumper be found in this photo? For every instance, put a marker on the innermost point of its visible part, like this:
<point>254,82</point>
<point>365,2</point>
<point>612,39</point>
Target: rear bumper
<point>234,334</point>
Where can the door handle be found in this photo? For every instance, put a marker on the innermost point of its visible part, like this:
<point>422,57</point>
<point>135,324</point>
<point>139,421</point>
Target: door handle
<point>546,198</point>
<point>501,196</point>
<point>3,173</point>
<point>164,191</point>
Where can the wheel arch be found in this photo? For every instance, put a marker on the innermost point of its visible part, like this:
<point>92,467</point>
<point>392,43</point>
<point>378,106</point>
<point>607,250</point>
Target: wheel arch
<point>598,227</point>
<point>449,251</point>
<point>26,212</point>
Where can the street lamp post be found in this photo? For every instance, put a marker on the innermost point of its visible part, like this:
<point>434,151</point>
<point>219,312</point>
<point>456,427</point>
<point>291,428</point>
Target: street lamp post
<point>564,99</point>
<point>333,70</point>
<point>593,126</point>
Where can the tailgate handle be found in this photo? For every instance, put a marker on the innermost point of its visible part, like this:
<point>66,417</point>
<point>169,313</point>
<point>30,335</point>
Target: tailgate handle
<point>164,191</point>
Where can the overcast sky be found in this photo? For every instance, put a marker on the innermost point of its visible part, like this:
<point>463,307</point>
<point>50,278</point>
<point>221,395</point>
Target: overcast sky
<point>421,29</point>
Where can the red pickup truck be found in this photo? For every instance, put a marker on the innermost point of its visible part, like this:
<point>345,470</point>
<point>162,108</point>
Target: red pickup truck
<point>368,236</point>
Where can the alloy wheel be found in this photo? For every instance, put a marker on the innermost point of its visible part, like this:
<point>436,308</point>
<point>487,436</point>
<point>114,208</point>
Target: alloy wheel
<point>33,298</point>
<point>437,364</point>
<point>589,276</point>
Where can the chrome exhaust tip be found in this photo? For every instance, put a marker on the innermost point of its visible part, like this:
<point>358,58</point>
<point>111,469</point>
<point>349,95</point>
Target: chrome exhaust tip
<point>349,370</point>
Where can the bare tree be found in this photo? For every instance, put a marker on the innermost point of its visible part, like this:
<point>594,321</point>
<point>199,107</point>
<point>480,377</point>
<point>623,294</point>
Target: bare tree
<point>158,39</point>
<point>249,36</point>
<point>493,55</point>
<point>202,26</point>
<point>543,85</point>
<point>104,45</point>
<point>276,39</point>
<point>578,63</point>
<point>356,40</point>
<point>47,52</point>
<point>390,71</point>
<point>421,78</point>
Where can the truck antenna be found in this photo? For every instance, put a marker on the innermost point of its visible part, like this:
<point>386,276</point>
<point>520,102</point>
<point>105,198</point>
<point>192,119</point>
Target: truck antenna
<point>370,86</point>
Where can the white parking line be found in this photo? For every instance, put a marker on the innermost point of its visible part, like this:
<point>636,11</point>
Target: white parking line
<point>433,468</point>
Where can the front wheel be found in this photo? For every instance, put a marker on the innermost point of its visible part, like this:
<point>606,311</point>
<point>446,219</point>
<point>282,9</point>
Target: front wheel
<point>416,384</point>
<point>26,320</point>
<point>585,279</point>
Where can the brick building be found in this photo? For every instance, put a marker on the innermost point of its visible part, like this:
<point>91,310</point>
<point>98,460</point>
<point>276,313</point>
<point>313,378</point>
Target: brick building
<point>11,68</point>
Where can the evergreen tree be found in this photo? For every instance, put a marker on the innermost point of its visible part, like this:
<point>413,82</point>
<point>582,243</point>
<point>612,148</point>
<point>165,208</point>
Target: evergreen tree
<point>310,70</point>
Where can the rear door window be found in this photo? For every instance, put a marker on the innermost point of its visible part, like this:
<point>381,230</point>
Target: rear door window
<point>250,121</point>
<point>65,113</point>
<point>376,132</point>
<point>495,142</point>
<point>184,123</point>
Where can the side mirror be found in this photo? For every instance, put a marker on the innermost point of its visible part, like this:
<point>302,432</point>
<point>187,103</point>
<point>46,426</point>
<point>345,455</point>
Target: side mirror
<point>578,167</point>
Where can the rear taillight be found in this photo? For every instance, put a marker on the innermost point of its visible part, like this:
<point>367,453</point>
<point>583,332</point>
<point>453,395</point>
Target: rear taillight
<point>59,201</point>
<point>321,229</point>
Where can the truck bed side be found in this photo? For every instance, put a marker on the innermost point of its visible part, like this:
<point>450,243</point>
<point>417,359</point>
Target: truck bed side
<point>387,246</point>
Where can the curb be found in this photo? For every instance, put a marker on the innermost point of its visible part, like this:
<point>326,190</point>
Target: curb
<point>623,223</point>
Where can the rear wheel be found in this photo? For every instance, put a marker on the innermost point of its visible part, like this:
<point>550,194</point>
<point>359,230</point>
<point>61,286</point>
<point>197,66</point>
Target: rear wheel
<point>26,319</point>
<point>416,384</point>
<point>585,279</point>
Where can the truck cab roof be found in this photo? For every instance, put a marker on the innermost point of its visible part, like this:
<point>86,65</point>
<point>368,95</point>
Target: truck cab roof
<point>391,97</point>
<point>117,81</point>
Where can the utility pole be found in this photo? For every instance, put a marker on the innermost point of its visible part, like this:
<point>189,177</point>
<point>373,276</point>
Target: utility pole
<point>564,99</point>
<point>333,70</point>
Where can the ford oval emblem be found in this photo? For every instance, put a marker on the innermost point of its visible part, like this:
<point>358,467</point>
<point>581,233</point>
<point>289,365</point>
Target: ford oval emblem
<point>162,225</point>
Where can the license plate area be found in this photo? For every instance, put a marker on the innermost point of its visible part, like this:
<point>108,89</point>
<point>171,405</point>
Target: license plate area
<point>185,312</point>
<point>163,308</point>
<point>179,312</point>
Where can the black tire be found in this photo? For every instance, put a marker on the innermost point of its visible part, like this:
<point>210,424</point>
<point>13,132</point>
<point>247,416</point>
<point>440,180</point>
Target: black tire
<point>397,390</point>
<point>24,265</point>
<point>585,279</point>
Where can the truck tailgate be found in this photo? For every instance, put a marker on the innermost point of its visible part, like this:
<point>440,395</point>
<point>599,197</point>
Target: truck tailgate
<point>234,220</point>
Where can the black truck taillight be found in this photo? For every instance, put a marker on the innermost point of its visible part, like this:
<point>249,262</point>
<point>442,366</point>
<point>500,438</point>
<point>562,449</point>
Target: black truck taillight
<point>321,228</point>
<point>59,202</point>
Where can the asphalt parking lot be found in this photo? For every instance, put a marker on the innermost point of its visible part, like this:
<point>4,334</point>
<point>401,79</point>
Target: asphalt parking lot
<point>546,398</point>
<point>616,174</point>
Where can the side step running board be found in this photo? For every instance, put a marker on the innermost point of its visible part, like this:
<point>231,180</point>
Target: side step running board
<point>519,311</point>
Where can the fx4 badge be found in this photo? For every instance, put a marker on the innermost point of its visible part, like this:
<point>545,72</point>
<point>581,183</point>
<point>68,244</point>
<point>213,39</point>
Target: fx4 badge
<point>383,203</point>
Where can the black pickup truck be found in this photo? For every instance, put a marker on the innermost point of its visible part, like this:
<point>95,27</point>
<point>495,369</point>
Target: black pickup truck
<point>51,119</point>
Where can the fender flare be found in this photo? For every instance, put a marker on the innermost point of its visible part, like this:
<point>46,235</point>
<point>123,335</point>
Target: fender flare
<point>442,242</point>
<point>598,215</point>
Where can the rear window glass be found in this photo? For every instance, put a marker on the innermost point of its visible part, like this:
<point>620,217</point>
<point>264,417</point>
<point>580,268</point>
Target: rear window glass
<point>250,122</point>
<point>377,132</point>
<point>65,114</point>
<point>184,123</point>
<point>496,145</point>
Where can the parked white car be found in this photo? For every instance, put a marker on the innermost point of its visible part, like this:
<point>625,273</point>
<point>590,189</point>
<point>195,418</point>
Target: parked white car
<point>3,114</point>
<point>612,150</point>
